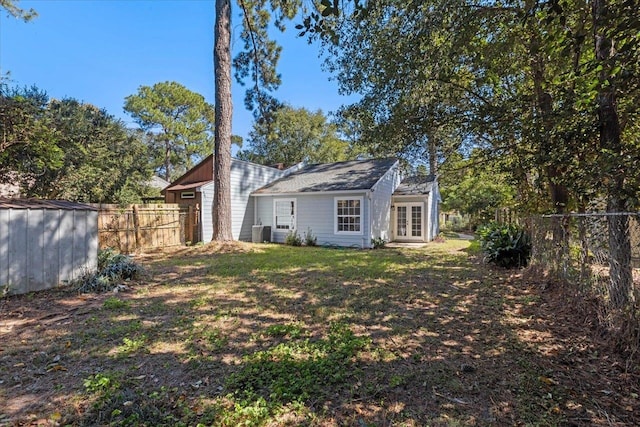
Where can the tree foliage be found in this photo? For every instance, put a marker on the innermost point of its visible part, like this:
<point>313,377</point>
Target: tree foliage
<point>291,135</point>
<point>475,187</point>
<point>12,9</point>
<point>64,149</point>
<point>533,82</point>
<point>179,123</point>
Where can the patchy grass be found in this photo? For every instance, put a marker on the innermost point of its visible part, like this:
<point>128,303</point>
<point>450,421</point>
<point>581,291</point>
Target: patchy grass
<point>240,334</point>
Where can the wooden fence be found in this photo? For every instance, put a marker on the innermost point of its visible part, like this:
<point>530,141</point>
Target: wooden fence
<point>146,226</point>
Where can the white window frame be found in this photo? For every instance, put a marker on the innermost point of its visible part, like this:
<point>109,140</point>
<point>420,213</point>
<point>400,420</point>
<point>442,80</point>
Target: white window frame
<point>335,215</point>
<point>275,215</point>
<point>187,194</point>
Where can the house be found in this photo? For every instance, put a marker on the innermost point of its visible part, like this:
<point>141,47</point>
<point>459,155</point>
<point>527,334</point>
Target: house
<point>195,188</point>
<point>350,204</point>
<point>343,204</point>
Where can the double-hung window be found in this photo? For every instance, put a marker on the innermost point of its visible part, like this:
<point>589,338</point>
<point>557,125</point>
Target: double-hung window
<point>284,212</point>
<point>348,215</point>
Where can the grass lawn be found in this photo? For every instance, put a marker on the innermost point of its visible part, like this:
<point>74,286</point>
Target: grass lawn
<point>243,334</point>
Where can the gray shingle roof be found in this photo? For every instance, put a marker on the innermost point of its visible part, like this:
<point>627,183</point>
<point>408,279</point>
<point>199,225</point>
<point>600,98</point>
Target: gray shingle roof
<point>342,176</point>
<point>416,184</point>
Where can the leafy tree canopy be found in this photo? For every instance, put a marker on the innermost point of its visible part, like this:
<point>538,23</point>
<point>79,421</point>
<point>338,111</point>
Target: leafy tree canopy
<point>291,135</point>
<point>64,149</point>
<point>473,187</point>
<point>179,123</point>
<point>12,9</point>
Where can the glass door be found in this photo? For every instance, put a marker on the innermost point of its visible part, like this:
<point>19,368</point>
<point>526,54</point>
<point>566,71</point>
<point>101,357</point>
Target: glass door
<point>409,221</point>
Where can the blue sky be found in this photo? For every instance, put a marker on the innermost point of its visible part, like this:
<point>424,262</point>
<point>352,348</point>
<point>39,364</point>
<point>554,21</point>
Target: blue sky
<point>100,51</point>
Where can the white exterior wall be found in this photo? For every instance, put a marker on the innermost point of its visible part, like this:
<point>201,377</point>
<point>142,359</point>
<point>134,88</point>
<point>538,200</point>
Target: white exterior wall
<point>43,248</point>
<point>434,211</point>
<point>246,177</point>
<point>381,226</point>
<point>317,212</point>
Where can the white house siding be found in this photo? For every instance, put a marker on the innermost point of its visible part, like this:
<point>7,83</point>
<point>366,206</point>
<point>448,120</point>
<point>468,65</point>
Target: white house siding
<point>206,212</point>
<point>381,226</point>
<point>245,178</point>
<point>434,218</point>
<point>42,248</point>
<point>317,212</point>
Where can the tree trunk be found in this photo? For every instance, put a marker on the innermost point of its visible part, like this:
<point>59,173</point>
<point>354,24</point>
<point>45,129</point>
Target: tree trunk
<point>620,278</point>
<point>167,160</point>
<point>433,155</point>
<point>223,115</point>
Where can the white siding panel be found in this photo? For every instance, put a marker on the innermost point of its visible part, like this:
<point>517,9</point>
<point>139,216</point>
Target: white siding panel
<point>66,248</point>
<point>434,212</point>
<point>381,204</point>
<point>245,178</point>
<point>206,212</point>
<point>316,213</point>
<point>4,247</point>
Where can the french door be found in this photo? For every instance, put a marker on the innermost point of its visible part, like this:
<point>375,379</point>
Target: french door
<point>409,221</point>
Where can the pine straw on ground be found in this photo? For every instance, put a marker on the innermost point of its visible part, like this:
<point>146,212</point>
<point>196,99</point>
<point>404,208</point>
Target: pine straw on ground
<point>453,342</point>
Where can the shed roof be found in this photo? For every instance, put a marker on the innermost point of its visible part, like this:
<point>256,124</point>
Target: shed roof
<point>341,176</point>
<point>43,204</point>
<point>189,186</point>
<point>415,185</point>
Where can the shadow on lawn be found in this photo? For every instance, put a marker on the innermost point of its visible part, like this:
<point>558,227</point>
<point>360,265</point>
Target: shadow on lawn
<point>450,342</point>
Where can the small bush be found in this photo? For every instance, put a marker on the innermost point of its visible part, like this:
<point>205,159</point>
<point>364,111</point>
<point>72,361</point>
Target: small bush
<point>506,245</point>
<point>310,239</point>
<point>293,239</point>
<point>378,242</point>
<point>113,270</point>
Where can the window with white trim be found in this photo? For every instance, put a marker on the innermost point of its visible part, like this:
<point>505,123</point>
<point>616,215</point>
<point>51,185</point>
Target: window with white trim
<point>348,219</point>
<point>284,212</point>
<point>188,195</point>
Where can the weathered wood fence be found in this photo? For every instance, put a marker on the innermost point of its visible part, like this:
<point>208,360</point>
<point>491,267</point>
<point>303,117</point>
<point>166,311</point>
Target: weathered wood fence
<point>146,226</point>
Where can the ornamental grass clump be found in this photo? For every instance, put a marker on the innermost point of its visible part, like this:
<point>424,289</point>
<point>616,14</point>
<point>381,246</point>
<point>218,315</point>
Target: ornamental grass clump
<point>113,270</point>
<point>506,245</point>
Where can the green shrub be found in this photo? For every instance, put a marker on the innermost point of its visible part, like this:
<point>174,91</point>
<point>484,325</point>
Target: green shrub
<point>506,245</point>
<point>113,270</point>
<point>310,239</point>
<point>378,242</point>
<point>293,239</point>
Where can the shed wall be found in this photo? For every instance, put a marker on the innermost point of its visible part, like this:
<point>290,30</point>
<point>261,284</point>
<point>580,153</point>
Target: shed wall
<point>43,248</point>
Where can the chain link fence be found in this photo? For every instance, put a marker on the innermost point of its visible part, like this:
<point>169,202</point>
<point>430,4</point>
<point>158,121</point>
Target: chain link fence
<point>595,255</point>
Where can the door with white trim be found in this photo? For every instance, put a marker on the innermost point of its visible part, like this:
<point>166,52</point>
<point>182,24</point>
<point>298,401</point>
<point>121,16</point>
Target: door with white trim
<point>409,224</point>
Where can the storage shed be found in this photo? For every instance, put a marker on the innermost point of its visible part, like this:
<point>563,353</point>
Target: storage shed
<point>45,243</point>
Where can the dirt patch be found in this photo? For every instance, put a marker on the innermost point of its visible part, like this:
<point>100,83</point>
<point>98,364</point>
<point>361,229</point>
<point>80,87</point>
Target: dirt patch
<point>450,342</point>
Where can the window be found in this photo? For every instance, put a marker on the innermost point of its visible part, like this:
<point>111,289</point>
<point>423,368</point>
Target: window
<point>348,215</point>
<point>188,195</point>
<point>284,214</point>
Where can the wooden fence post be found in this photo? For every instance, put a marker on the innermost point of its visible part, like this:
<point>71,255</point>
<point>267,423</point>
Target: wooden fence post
<point>136,226</point>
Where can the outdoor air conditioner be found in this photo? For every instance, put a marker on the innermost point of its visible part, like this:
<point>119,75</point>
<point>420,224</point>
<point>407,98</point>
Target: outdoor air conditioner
<point>260,233</point>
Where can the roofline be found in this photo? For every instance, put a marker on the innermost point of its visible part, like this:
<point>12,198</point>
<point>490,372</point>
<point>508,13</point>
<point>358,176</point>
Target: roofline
<point>307,193</point>
<point>402,196</point>
<point>233,159</point>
